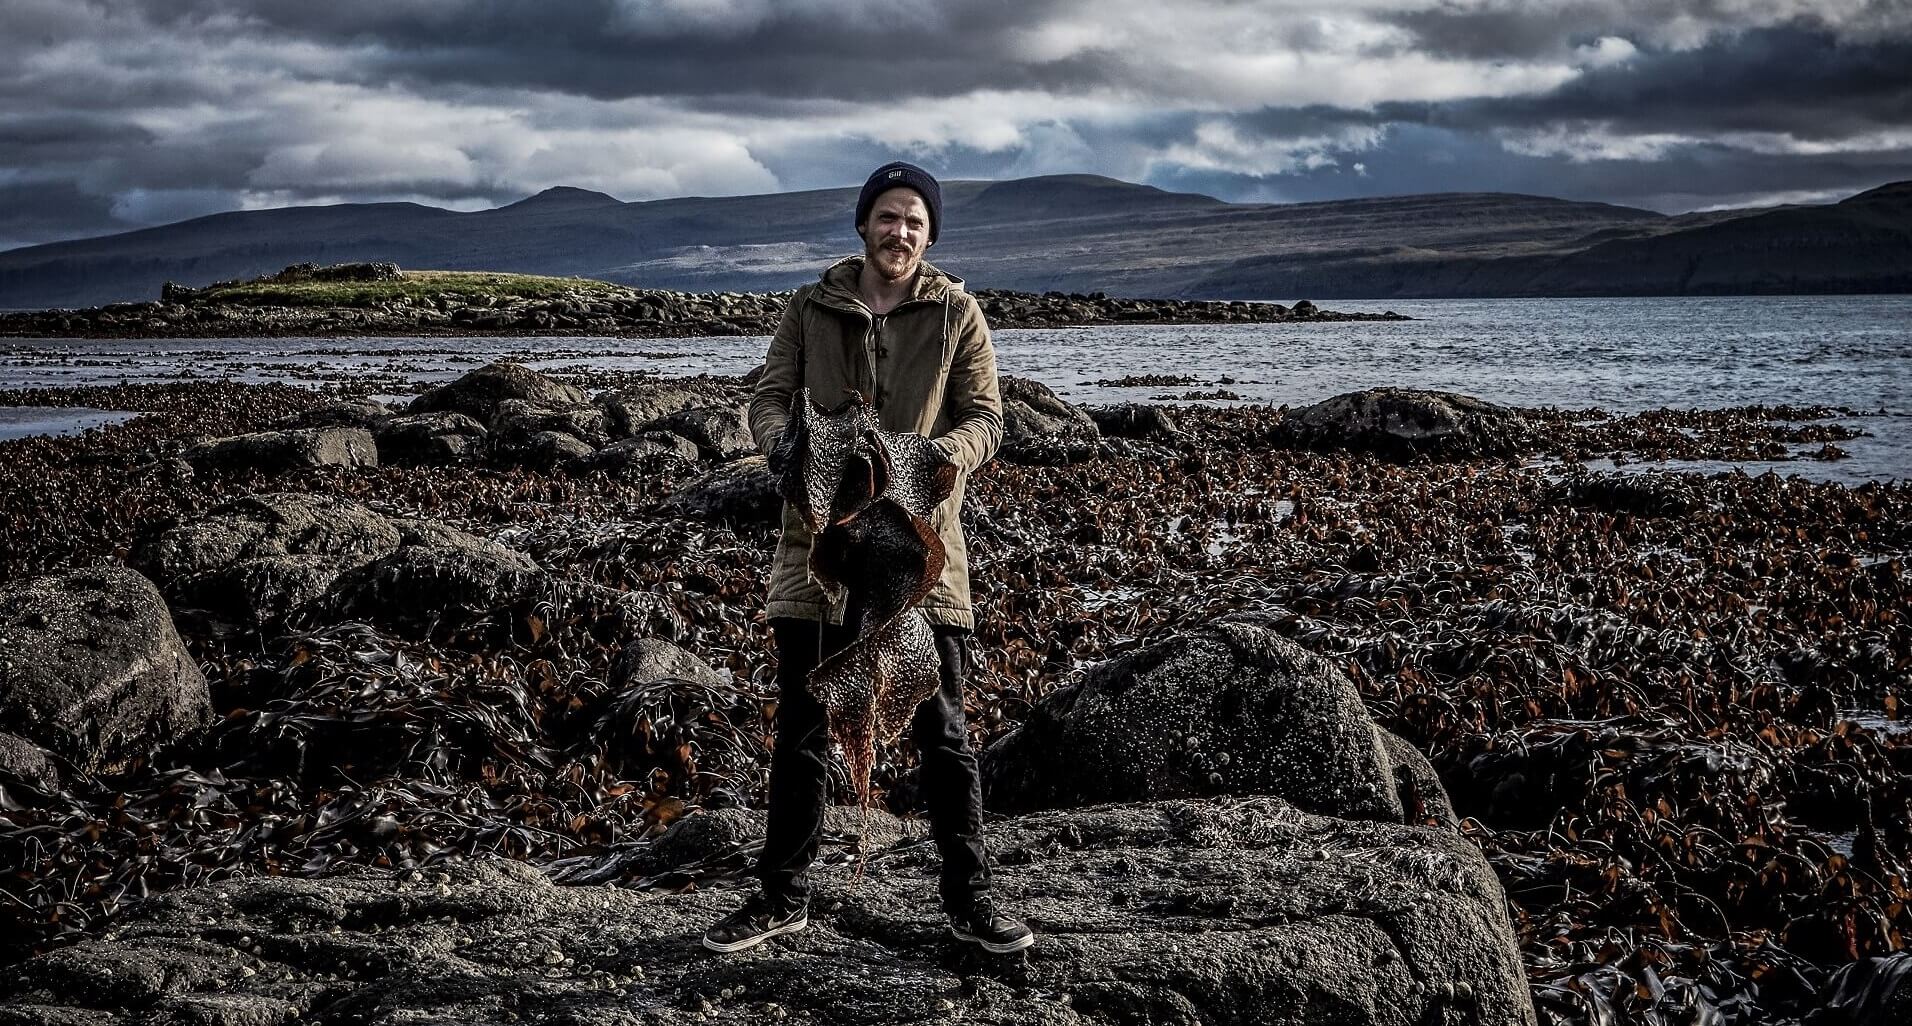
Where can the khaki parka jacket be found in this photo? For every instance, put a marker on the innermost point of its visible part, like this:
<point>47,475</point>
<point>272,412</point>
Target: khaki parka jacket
<point>928,367</point>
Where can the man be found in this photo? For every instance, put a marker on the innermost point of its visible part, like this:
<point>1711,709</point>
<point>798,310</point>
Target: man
<point>891,327</point>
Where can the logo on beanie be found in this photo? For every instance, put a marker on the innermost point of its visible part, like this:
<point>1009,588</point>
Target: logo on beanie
<point>898,173</point>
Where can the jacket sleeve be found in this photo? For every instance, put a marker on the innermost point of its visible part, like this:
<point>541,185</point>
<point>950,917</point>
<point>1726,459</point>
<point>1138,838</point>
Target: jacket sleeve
<point>973,397</point>
<point>770,403</point>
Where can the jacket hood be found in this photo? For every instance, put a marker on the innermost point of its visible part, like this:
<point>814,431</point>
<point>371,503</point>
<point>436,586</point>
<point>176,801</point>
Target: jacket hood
<point>838,283</point>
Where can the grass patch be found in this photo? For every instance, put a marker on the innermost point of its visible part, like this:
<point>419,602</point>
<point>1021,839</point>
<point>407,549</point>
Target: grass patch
<point>411,285</point>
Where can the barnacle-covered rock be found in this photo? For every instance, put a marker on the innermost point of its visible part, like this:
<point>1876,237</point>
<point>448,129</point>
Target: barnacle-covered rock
<point>91,667</point>
<point>1230,709</point>
<point>1174,911</point>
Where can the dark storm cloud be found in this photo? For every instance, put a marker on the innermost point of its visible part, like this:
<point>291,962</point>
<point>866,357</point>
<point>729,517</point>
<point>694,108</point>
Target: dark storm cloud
<point>137,112</point>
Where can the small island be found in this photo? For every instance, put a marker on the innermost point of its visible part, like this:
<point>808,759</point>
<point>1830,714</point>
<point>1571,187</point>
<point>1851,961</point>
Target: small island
<point>381,299</point>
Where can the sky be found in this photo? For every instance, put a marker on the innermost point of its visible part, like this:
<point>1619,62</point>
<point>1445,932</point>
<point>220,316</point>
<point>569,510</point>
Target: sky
<point>125,114</point>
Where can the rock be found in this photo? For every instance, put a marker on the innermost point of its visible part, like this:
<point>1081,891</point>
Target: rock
<point>1134,420</point>
<point>650,659</point>
<point>91,668</point>
<point>29,762</point>
<point>739,492</point>
<point>275,451</point>
<point>1402,423</point>
<point>634,407</point>
<point>629,453</point>
<point>516,418</point>
<point>1304,308</point>
<point>432,439</point>
<point>1232,708</point>
<point>478,393</point>
<point>420,585</point>
<point>1174,911</point>
<point>543,451</point>
<point>361,413</point>
<point>255,559</point>
<point>1039,428</point>
<point>719,432</point>
<point>266,524</point>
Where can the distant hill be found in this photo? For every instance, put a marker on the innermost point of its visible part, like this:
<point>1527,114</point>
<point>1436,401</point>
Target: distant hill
<point>1070,232</point>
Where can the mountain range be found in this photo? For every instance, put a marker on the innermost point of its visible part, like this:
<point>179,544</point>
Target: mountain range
<point>1074,233</point>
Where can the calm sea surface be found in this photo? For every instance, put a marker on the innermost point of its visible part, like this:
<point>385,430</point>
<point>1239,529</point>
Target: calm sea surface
<point>1623,355</point>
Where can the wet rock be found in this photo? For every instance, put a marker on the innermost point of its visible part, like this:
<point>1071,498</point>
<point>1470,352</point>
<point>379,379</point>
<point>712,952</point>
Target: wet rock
<point>92,668</point>
<point>742,491</point>
<point>1230,709</point>
<point>28,761</point>
<point>719,432</point>
<point>478,394</point>
<point>1134,420</point>
<point>1403,423</point>
<point>432,439</point>
<point>419,586</point>
<point>1039,428</point>
<point>633,408</point>
<point>275,451</point>
<point>1172,911</point>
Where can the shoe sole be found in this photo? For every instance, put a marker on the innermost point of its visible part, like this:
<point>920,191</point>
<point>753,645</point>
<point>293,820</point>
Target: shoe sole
<point>993,948</point>
<point>750,942</point>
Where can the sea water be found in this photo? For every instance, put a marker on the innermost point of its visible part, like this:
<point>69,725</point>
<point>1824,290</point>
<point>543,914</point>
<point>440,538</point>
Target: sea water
<point>1621,355</point>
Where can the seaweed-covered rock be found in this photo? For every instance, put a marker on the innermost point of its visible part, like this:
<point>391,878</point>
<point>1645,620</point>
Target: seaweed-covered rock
<point>1134,420</point>
<point>1230,709</point>
<point>1648,494</point>
<point>478,394</point>
<point>1174,911</point>
<point>741,491</point>
<point>629,454</point>
<point>91,667</point>
<point>1402,423</point>
<point>1039,428</point>
<point>418,586</point>
<point>275,451</point>
<point>516,418</point>
<point>432,439</point>
<point>544,451</point>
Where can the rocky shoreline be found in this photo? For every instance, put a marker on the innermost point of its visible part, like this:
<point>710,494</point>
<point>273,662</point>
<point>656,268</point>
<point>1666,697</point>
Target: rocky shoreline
<point>600,310</point>
<point>1419,721</point>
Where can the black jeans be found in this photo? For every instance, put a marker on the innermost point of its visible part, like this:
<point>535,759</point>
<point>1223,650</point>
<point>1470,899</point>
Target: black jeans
<point>951,789</point>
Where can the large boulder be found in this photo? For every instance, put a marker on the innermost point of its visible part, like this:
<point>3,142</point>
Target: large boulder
<point>91,668</point>
<point>1039,428</point>
<point>432,439</point>
<point>1134,420</point>
<point>1162,912</point>
<point>275,451</point>
<point>1231,709</point>
<point>1403,423</point>
<point>255,559</point>
<point>478,394</point>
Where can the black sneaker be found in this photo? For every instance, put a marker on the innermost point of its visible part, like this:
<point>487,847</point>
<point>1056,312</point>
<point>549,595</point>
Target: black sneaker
<point>982,925</point>
<point>757,921</point>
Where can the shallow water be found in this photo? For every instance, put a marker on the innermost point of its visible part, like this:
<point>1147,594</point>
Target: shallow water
<point>1623,355</point>
<point>26,421</point>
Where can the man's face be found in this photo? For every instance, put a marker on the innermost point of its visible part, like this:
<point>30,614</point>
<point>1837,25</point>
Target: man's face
<point>897,233</point>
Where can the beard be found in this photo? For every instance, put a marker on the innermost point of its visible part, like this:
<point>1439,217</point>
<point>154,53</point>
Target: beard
<point>893,262</point>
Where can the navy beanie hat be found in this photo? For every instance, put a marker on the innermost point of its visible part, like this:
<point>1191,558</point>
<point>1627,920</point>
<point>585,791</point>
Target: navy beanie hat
<point>898,173</point>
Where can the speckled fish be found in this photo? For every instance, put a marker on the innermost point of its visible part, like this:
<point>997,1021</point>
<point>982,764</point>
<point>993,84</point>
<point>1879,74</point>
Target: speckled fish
<point>867,495</point>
